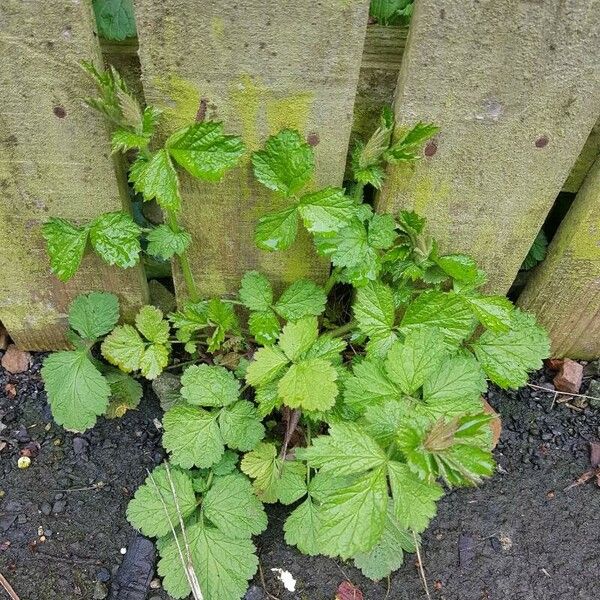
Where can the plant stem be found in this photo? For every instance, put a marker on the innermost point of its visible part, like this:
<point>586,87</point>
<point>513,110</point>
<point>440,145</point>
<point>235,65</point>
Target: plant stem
<point>184,262</point>
<point>342,329</point>
<point>331,281</point>
<point>357,192</point>
<point>308,440</point>
<point>293,417</point>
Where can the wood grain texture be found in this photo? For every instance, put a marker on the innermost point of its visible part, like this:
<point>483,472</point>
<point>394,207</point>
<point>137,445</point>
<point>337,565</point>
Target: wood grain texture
<point>260,66</point>
<point>564,290</point>
<point>585,160</point>
<point>54,161</point>
<point>515,87</point>
<point>380,65</point>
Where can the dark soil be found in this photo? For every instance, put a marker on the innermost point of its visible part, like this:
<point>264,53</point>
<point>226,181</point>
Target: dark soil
<point>518,537</point>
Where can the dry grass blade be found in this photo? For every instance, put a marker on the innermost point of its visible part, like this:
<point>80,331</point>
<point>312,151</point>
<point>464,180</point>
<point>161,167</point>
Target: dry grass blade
<point>9,590</point>
<point>421,570</point>
<point>555,392</point>
<point>186,561</point>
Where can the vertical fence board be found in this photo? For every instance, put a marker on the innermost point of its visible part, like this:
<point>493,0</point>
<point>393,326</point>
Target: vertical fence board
<point>591,150</point>
<point>380,64</point>
<point>54,161</point>
<point>260,66</point>
<point>515,88</point>
<point>564,290</point>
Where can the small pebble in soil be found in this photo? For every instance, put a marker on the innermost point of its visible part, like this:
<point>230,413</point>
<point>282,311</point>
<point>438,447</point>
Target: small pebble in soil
<point>100,591</point>
<point>155,584</point>
<point>24,462</point>
<point>254,593</point>
<point>80,446</point>
<point>103,575</point>
<point>45,509</point>
<point>123,551</point>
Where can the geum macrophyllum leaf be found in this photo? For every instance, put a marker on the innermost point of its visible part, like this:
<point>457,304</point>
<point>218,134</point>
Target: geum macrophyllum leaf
<point>223,564</point>
<point>125,348</point>
<point>507,357</point>
<point>65,244</point>
<point>353,517</point>
<point>197,437</point>
<point>458,266</point>
<point>278,230</point>
<point>285,164</point>
<point>408,364</point>
<point>349,250</point>
<point>151,324</point>
<point>115,19</point>
<point>264,326</point>
<point>493,312</point>
<point>420,376</point>
<point>296,338</point>
<point>310,381</point>
<point>222,317</point>
<point>77,391</point>
<point>232,506</point>
<point>301,299</point>
<point>382,231</point>
<point>352,506</point>
<point>157,178</point>
<point>94,315</point>
<point>445,310</point>
<point>156,505</point>
<point>328,209</point>
<point>115,236</point>
<point>267,365</point>
<point>165,243</point>
<point>192,436</point>
<point>123,140</point>
<point>209,385</point>
<point>256,292</point>
<point>414,499</point>
<point>309,384</point>
<point>125,393</point>
<point>274,479</point>
<point>375,313</point>
<point>457,450</point>
<point>240,426</point>
<point>204,151</point>
<point>388,553</point>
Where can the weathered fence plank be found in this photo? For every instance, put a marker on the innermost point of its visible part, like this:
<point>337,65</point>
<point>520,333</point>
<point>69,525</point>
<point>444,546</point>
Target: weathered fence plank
<point>54,161</point>
<point>589,153</point>
<point>564,290</point>
<point>515,88</point>
<point>380,65</point>
<point>260,66</point>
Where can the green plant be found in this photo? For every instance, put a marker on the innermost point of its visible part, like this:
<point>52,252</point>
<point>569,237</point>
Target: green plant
<point>391,12</point>
<point>359,421</point>
<point>537,252</point>
<point>201,149</point>
<point>115,19</point>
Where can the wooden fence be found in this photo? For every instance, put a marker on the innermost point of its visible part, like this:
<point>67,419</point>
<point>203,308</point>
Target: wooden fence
<point>515,87</point>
